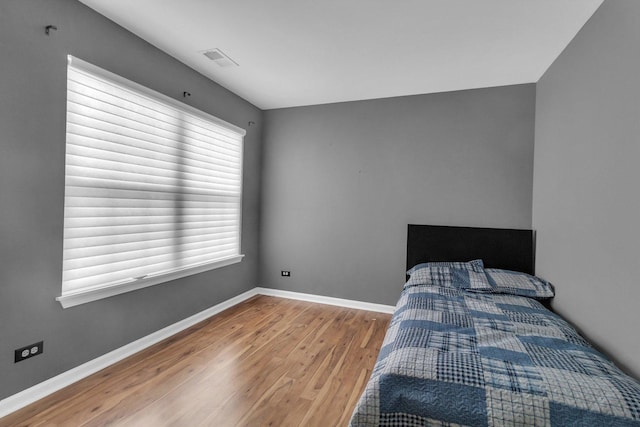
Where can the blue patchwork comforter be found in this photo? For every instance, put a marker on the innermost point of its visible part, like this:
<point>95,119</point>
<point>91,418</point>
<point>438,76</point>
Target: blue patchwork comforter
<point>454,357</point>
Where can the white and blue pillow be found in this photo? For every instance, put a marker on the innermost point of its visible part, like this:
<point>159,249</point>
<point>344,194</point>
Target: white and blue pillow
<point>472,276</point>
<point>459,275</point>
<point>517,283</point>
<point>475,265</point>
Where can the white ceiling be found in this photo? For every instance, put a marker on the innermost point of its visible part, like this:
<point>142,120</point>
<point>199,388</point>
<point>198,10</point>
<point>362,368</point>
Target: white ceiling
<point>305,52</point>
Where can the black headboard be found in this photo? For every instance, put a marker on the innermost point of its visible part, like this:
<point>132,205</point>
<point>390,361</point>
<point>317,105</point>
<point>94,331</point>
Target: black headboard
<point>498,247</point>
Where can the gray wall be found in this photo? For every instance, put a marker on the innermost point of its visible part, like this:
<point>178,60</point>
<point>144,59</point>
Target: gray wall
<point>586,204</point>
<point>32,144</point>
<point>342,181</point>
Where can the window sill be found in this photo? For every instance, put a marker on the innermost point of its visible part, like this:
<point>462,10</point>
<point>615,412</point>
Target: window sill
<point>71,299</point>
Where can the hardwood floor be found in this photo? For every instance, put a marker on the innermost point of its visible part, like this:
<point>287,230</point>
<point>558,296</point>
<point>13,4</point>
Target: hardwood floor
<point>265,362</point>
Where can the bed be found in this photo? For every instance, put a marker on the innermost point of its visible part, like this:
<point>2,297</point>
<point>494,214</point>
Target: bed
<point>472,343</point>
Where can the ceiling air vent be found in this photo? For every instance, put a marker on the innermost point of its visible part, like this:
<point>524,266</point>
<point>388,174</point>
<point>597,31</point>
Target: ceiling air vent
<point>222,60</point>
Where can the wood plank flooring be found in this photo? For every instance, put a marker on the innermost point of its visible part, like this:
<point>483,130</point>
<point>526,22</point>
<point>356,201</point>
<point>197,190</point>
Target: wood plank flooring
<point>265,362</point>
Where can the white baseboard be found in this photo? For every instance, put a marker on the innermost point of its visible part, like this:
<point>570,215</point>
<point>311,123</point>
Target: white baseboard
<point>45,388</point>
<point>369,306</point>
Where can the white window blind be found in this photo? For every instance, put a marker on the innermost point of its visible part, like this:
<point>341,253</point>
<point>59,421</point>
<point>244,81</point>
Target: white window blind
<point>152,188</point>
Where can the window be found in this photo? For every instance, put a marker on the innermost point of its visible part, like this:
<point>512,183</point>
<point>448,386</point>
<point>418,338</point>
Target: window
<point>152,187</point>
